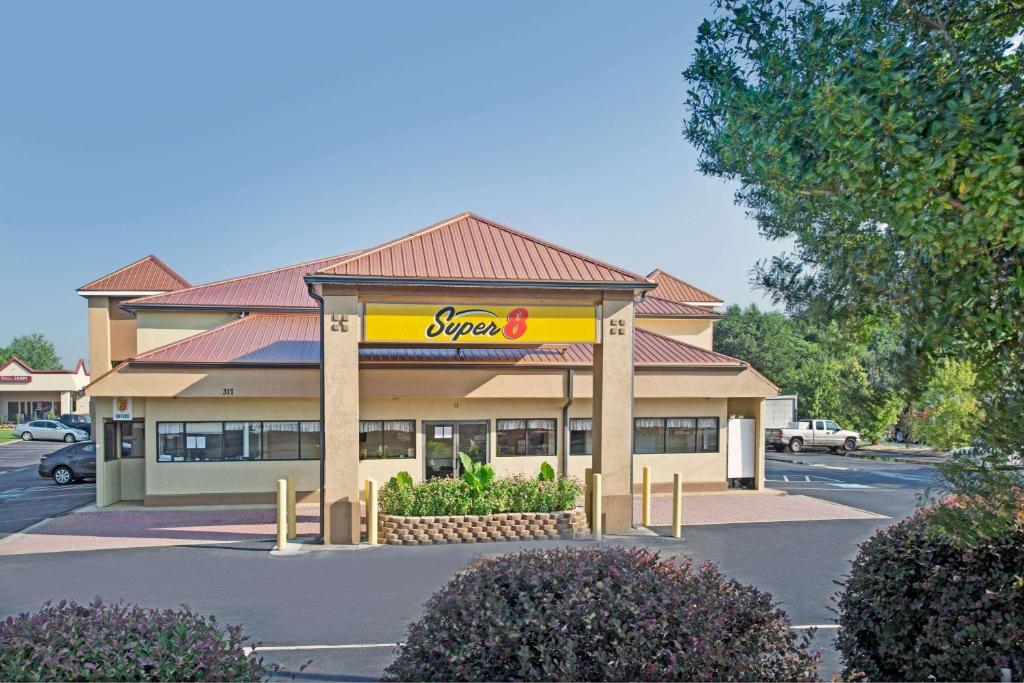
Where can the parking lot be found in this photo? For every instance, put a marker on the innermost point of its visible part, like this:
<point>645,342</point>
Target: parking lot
<point>25,497</point>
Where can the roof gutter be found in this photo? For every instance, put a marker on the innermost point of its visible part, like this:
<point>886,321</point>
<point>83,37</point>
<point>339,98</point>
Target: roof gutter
<point>472,282</point>
<point>323,423</point>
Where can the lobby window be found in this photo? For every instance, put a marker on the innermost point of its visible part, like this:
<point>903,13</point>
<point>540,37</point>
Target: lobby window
<point>581,433</point>
<point>526,437</point>
<point>383,439</point>
<point>675,435</point>
<point>309,440</point>
<point>170,442</point>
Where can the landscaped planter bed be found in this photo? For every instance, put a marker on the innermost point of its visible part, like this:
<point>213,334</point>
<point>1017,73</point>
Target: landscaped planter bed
<point>502,526</point>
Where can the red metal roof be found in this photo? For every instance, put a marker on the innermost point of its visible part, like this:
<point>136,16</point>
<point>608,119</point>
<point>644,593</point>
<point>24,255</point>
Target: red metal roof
<point>281,288</point>
<point>468,247</point>
<point>673,289</point>
<point>294,339</point>
<point>148,274</point>
<point>654,307</point>
<point>257,338</point>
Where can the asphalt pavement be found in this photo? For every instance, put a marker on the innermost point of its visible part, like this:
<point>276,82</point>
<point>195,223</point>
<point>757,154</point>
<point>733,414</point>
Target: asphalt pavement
<point>345,608</point>
<point>25,497</point>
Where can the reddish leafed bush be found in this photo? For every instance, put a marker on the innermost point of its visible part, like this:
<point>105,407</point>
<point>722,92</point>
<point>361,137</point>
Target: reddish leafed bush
<point>101,642</point>
<point>918,607</point>
<point>600,614</point>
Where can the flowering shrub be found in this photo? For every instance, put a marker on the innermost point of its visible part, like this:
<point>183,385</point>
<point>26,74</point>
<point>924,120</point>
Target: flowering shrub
<point>101,642</point>
<point>919,607</point>
<point>599,614</point>
<point>446,496</point>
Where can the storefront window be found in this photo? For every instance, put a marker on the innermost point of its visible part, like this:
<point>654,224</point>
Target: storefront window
<point>380,439</point>
<point>681,435</point>
<point>133,439</point>
<point>243,440</point>
<point>309,440</point>
<point>707,432</point>
<point>675,435</point>
<point>204,440</point>
<point>281,440</point>
<point>581,432</point>
<point>526,437</point>
<point>170,444</point>
<point>237,441</point>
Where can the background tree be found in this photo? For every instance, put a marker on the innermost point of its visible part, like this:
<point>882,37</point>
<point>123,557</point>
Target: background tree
<point>34,349</point>
<point>885,138</point>
<point>949,409</point>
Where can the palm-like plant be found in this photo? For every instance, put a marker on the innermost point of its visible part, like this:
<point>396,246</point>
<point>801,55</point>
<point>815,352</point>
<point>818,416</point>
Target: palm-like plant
<point>479,476</point>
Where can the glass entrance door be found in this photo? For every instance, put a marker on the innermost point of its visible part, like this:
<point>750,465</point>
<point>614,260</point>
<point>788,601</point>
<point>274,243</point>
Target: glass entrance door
<point>445,440</point>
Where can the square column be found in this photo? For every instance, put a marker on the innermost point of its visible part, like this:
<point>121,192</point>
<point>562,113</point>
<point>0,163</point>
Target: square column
<point>613,410</point>
<point>341,334</point>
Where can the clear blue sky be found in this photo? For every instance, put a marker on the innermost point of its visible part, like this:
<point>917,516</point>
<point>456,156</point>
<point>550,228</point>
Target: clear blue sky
<point>233,137</point>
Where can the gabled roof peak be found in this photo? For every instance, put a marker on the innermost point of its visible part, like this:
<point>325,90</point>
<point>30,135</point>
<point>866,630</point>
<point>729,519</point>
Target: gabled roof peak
<point>148,274</point>
<point>469,248</point>
<point>672,288</point>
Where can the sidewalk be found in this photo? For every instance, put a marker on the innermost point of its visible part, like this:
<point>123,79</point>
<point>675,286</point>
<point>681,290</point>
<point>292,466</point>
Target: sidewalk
<point>137,527</point>
<point>755,508</point>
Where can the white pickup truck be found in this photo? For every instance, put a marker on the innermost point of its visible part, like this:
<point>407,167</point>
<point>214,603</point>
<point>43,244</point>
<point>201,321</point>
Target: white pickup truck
<point>812,434</point>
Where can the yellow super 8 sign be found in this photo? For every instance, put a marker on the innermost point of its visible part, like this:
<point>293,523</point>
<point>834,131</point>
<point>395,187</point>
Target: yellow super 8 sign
<point>479,324</point>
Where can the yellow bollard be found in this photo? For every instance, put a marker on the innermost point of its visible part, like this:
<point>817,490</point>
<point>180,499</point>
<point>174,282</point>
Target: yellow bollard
<point>371,511</point>
<point>677,505</point>
<point>596,494</point>
<point>588,485</point>
<point>282,514</point>
<point>292,522</point>
<point>645,508</point>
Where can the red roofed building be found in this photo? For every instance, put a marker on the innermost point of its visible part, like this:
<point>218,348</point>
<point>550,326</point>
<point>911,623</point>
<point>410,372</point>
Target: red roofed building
<point>464,336</point>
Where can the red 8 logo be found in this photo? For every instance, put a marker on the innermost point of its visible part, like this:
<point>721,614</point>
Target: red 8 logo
<point>515,325</point>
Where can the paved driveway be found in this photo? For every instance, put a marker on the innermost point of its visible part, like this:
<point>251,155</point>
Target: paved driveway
<point>25,497</point>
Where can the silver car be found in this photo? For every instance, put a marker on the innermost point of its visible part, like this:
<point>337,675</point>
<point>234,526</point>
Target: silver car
<point>49,430</point>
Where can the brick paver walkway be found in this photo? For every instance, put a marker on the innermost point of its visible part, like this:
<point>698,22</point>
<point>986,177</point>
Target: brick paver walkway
<point>144,528</point>
<point>746,508</point>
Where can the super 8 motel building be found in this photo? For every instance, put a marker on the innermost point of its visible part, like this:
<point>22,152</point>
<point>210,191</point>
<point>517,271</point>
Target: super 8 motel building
<point>463,336</point>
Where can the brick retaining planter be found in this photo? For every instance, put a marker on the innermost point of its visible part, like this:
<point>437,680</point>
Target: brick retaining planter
<point>506,526</point>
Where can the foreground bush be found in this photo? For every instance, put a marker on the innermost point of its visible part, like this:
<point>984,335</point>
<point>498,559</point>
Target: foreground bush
<point>69,642</point>
<point>595,614</point>
<point>918,607</point>
<point>448,496</point>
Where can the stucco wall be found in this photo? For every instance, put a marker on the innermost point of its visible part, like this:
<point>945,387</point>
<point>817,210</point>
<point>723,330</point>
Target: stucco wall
<point>122,331</point>
<point>697,332</point>
<point>157,328</point>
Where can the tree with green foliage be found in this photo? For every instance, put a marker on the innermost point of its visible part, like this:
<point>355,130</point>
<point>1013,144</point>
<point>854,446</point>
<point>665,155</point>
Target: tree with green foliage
<point>843,375</point>
<point>34,349</point>
<point>885,138</point>
<point>949,409</point>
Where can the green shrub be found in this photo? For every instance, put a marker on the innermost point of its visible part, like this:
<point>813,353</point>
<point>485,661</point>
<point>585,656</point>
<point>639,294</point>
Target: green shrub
<point>599,614</point>
<point>446,496</point>
<point>101,642</point>
<point>917,606</point>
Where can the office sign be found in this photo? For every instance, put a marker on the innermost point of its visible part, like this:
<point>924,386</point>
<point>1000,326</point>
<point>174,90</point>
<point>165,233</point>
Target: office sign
<point>482,324</point>
<point>16,379</point>
<point>122,409</point>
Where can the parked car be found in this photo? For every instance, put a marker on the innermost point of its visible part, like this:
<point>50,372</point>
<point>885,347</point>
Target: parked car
<point>70,464</point>
<point>49,430</point>
<point>83,422</point>
<point>812,434</point>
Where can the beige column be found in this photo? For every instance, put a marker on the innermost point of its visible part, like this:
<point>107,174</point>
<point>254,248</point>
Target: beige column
<point>341,418</point>
<point>613,410</point>
<point>99,335</point>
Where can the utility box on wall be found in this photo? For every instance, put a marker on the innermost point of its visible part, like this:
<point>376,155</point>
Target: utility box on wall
<point>742,453</point>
